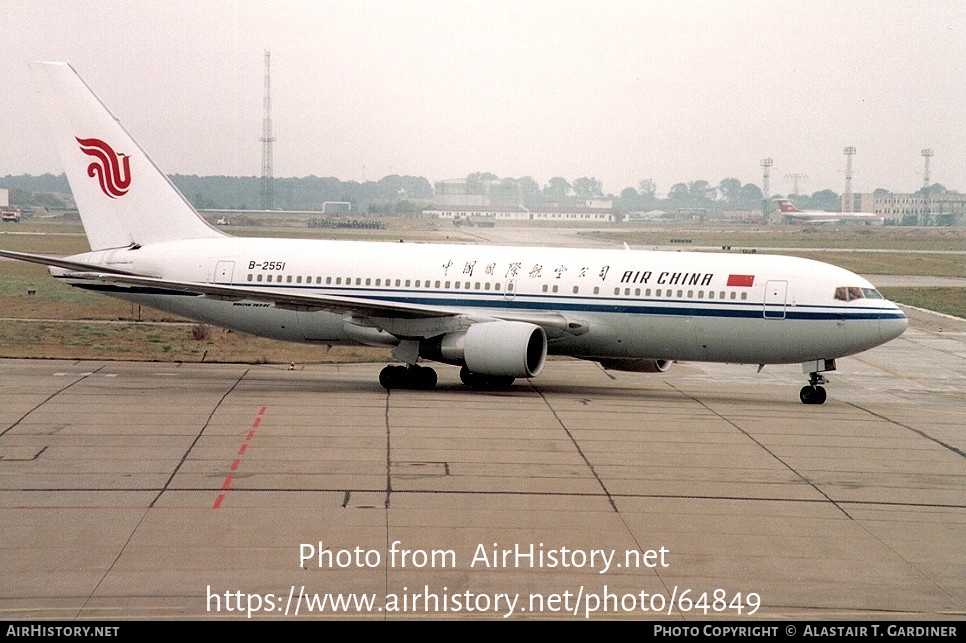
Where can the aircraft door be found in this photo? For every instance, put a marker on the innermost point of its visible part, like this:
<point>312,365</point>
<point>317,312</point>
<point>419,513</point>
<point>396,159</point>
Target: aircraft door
<point>775,294</point>
<point>510,290</point>
<point>223,272</point>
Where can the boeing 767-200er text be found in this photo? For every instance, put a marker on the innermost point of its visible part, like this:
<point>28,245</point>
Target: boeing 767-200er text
<point>496,311</point>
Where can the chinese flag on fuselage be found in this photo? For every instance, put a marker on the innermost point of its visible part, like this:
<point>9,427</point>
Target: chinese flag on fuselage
<point>745,281</point>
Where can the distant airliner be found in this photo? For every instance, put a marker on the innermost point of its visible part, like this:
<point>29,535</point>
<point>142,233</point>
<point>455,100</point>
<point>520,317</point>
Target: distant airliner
<point>497,312</point>
<point>791,213</point>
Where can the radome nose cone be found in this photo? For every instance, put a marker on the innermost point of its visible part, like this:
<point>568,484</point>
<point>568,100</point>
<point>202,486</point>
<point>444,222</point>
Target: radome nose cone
<point>889,329</point>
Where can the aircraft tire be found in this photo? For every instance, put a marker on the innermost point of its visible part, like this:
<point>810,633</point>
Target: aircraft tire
<point>812,395</point>
<point>412,377</point>
<point>485,382</point>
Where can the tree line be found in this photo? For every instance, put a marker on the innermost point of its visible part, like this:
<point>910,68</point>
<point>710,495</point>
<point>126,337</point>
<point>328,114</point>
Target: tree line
<point>396,194</point>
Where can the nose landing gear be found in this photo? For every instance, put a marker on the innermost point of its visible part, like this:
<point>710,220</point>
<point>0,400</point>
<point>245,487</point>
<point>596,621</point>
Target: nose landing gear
<point>813,393</point>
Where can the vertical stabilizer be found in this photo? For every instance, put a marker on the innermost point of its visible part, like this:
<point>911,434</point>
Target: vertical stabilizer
<point>123,198</point>
<point>786,206</point>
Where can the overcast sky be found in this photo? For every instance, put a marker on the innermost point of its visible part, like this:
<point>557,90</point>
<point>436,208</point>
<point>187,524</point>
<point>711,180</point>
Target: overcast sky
<point>618,90</point>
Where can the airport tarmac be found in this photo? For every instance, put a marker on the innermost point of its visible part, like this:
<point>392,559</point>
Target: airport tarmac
<point>233,491</point>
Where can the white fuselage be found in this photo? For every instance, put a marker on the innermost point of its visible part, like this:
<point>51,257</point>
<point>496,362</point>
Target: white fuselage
<point>615,304</point>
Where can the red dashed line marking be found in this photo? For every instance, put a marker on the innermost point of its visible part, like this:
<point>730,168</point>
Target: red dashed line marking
<point>237,462</point>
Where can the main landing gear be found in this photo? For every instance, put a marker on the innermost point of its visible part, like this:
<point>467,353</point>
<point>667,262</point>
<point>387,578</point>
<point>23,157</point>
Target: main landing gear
<point>492,382</point>
<point>813,393</point>
<point>413,376</point>
<point>423,378</point>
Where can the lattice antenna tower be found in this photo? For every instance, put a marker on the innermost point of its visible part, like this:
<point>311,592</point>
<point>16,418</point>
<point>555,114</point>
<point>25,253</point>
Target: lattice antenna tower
<point>765,200</point>
<point>765,170</point>
<point>847,197</point>
<point>795,178</point>
<point>267,140</point>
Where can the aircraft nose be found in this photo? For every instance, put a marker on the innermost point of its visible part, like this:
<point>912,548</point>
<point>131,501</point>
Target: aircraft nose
<point>892,327</point>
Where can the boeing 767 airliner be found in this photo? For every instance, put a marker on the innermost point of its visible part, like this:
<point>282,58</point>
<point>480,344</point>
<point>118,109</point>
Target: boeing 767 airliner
<point>495,311</point>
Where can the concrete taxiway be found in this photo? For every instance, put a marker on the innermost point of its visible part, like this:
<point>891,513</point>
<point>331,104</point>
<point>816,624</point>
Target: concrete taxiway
<point>195,491</point>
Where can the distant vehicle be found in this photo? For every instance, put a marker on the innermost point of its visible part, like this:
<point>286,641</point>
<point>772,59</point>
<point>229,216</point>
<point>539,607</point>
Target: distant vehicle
<point>792,214</point>
<point>11,215</point>
<point>482,220</point>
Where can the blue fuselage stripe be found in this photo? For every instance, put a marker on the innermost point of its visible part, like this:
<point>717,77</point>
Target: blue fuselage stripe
<point>566,303</point>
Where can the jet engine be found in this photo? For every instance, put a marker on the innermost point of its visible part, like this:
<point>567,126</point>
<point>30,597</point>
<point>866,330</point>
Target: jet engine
<point>497,349</point>
<point>637,365</point>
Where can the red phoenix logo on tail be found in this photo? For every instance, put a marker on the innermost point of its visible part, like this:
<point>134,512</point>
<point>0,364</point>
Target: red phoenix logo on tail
<point>111,169</point>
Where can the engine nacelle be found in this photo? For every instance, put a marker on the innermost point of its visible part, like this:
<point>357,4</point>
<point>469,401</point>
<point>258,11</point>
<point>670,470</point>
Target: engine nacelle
<point>498,348</point>
<point>637,365</point>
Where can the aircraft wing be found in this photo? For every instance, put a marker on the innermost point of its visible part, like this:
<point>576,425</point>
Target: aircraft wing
<point>364,311</point>
<point>66,264</point>
<point>331,303</point>
<point>374,311</point>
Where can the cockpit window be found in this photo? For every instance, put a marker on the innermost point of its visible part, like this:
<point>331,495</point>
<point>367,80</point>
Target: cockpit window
<point>850,293</point>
